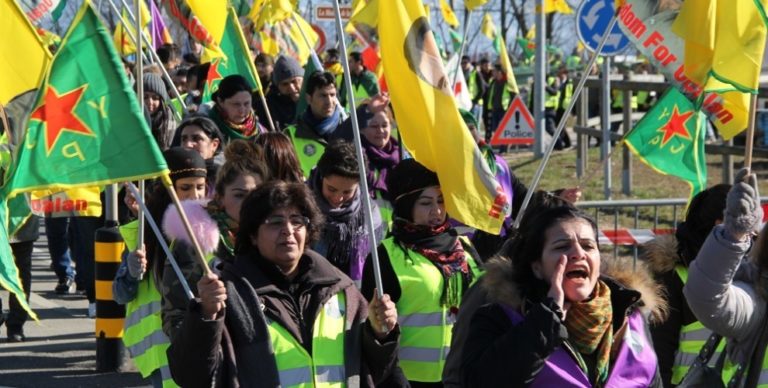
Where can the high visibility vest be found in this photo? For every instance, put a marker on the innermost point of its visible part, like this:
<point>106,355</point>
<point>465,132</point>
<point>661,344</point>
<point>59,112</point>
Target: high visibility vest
<point>692,338</point>
<point>551,100</point>
<point>385,207</point>
<point>473,86</point>
<point>618,100</point>
<point>426,325</point>
<point>506,95</point>
<point>308,151</point>
<point>325,367</point>
<point>143,328</point>
<point>573,62</point>
<point>566,94</point>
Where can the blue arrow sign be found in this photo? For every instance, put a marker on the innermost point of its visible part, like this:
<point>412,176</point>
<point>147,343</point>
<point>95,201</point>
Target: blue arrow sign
<point>592,19</point>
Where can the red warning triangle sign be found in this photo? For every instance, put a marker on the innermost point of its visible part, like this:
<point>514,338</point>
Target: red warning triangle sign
<point>516,128</point>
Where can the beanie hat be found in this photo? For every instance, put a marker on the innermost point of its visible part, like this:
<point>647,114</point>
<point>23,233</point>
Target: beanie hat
<point>408,177</point>
<point>285,68</point>
<point>185,163</point>
<point>469,118</point>
<point>154,83</point>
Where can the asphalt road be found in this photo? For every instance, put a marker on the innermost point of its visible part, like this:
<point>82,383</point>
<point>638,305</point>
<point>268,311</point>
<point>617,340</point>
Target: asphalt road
<point>60,350</point>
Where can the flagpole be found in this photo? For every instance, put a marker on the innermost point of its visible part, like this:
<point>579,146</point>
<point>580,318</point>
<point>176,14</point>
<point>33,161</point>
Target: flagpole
<point>161,240</point>
<point>750,132</point>
<point>140,93</point>
<point>561,124</point>
<point>187,226</point>
<point>133,18</point>
<point>166,76</point>
<point>461,50</point>
<point>359,150</point>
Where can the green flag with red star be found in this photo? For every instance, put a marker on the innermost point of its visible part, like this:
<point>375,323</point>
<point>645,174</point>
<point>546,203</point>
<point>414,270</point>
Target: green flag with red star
<point>237,58</point>
<point>670,139</point>
<point>86,127</point>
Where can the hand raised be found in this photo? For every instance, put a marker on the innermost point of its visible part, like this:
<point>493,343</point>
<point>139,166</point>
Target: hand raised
<point>212,295</point>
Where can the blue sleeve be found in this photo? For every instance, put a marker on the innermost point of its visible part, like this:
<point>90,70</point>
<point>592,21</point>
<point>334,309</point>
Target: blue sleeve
<point>124,287</point>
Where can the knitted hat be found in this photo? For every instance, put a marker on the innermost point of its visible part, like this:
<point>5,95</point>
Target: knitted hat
<point>408,177</point>
<point>469,118</point>
<point>184,163</point>
<point>285,68</point>
<point>154,83</point>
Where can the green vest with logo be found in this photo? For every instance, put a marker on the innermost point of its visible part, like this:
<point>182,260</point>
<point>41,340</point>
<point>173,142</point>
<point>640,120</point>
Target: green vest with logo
<point>143,335</point>
<point>308,151</point>
<point>325,367</point>
<point>566,94</point>
<point>426,325</point>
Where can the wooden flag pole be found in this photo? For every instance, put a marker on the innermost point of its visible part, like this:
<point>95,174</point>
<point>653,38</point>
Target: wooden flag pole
<point>750,132</point>
<point>364,194</point>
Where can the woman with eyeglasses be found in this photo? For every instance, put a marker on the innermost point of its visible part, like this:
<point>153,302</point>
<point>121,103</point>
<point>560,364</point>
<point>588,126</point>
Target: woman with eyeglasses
<point>280,314</point>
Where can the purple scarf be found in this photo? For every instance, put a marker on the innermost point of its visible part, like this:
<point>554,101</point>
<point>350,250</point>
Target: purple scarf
<point>380,161</point>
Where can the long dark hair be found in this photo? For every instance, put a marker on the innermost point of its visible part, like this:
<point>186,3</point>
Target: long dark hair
<point>705,209</point>
<point>527,245</point>
<point>280,157</point>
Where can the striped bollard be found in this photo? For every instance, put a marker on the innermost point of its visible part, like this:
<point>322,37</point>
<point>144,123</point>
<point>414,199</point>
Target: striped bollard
<point>111,354</point>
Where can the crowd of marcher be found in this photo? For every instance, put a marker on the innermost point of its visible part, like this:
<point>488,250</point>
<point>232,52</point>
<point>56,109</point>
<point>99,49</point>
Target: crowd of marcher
<point>287,293</point>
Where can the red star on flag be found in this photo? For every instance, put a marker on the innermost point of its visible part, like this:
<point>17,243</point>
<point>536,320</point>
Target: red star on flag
<point>57,112</point>
<point>676,126</point>
<point>214,74</point>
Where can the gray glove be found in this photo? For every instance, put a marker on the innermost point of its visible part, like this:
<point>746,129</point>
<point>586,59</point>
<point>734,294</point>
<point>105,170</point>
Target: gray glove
<point>136,265</point>
<point>743,212</point>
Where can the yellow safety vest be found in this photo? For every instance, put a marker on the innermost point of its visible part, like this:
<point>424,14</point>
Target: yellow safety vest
<point>143,328</point>
<point>307,150</point>
<point>426,325</point>
<point>551,100</point>
<point>325,367</point>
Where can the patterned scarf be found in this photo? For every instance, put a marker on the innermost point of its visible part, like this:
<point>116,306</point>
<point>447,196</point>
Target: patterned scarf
<point>442,247</point>
<point>590,328</point>
<point>227,226</point>
<point>247,129</point>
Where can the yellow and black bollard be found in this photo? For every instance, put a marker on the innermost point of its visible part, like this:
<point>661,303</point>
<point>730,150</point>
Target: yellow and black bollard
<point>111,354</point>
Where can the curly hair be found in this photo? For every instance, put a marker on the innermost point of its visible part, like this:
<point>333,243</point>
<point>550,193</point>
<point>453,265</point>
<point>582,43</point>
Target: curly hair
<point>273,195</point>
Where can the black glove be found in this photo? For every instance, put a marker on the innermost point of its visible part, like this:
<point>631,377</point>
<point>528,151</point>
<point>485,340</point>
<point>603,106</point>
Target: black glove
<point>743,212</point>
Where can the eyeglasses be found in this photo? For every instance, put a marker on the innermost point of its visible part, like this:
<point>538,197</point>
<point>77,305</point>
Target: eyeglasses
<point>278,222</point>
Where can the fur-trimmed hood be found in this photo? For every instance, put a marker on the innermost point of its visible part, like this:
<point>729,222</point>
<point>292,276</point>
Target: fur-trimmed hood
<point>497,282</point>
<point>661,254</point>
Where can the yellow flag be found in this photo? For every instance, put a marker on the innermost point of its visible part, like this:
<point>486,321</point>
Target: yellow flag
<point>429,121</point>
<point>531,34</point>
<point>23,58</point>
<point>696,24</point>
<point>364,12</point>
<point>740,43</point>
<point>507,66</point>
<point>213,15</point>
<point>560,6</point>
<point>448,15</point>
<point>80,201</point>
<point>472,4</point>
<point>122,36</point>
<point>487,27</point>
<point>266,12</point>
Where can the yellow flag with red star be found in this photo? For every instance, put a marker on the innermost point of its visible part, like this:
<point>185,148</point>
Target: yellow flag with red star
<point>670,139</point>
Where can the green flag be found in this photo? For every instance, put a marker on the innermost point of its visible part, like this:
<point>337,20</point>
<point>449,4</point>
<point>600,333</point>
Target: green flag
<point>86,127</point>
<point>237,60</point>
<point>456,39</point>
<point>528,47</point>
<point>670,139</point>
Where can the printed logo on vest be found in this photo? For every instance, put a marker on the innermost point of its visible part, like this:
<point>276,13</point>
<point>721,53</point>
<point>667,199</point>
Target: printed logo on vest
<point>309,149</point>
<point>634,341</point>
<point>333,309</point>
